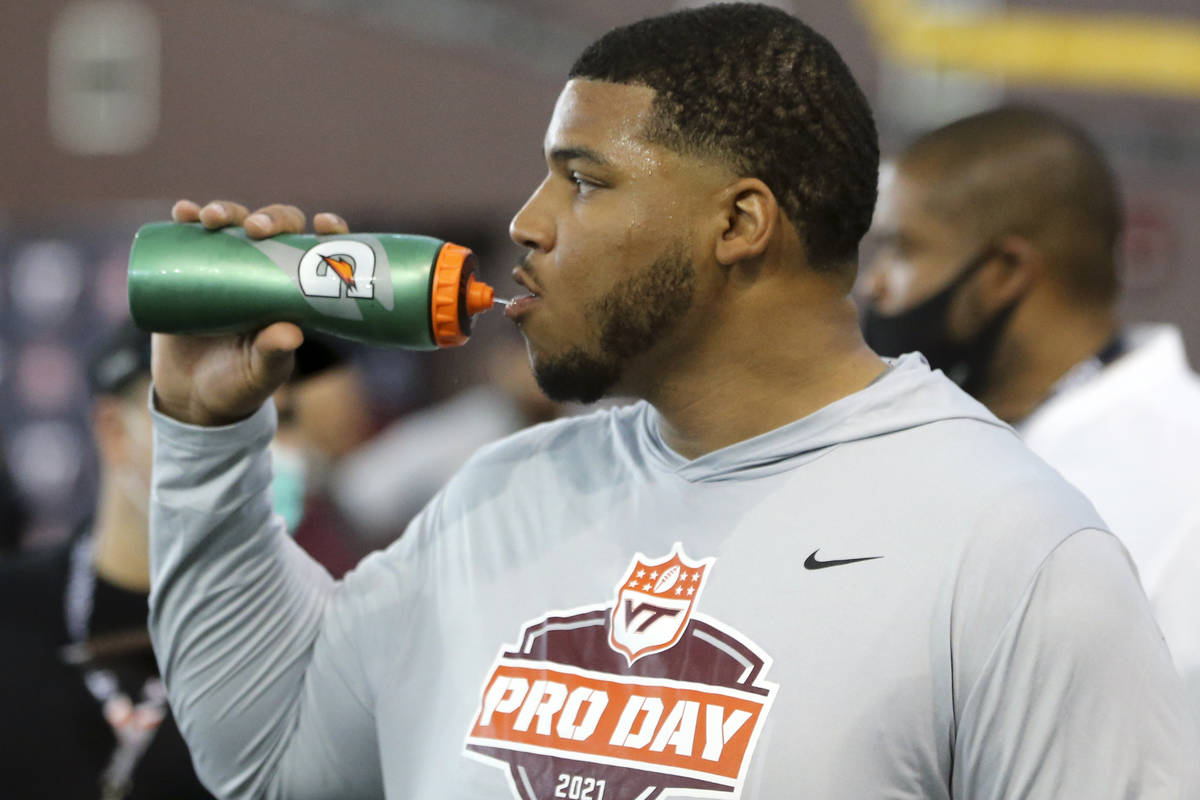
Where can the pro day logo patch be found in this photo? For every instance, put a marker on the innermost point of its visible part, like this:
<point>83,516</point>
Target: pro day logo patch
<point>639,699</point>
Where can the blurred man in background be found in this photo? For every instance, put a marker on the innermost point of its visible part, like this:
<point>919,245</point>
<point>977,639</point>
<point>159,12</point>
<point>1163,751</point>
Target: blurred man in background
<point>86,715</point>
<point>88,709</point>
<point>998,262</point>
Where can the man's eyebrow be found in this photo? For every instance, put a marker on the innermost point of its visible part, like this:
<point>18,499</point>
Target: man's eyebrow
<point>564,154</point>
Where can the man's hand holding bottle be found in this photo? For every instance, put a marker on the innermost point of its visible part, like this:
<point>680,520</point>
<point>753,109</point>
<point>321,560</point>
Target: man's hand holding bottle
<point>218,380</point>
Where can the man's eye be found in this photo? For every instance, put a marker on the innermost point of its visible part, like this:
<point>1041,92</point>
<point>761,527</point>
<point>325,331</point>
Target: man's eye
<point>582,183</point>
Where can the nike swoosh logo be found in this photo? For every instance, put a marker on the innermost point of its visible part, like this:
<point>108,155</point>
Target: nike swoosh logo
<point>812,563</point>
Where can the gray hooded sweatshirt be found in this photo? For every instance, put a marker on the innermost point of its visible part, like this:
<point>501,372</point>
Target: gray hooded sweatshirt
<point>891,597</point>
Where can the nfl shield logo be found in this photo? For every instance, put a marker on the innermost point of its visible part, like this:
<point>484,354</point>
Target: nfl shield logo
<point>655,602</point>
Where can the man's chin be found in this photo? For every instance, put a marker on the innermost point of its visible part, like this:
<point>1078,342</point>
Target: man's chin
<point>575,377</point>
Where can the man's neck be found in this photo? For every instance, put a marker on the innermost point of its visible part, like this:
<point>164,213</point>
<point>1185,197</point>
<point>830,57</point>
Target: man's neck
<point>771,366</point>
<point>120,541</point>
<point>1031,359</point>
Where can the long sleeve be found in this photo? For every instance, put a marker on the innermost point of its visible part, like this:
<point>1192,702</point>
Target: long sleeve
<point>254,639</point>
<point>1078,696</point>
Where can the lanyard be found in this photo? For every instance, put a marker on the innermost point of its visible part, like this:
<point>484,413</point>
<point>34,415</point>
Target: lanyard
<point>133,724</point>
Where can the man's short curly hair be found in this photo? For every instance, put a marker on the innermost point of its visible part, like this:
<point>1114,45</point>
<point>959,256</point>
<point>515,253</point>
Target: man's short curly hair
<point>768,95</point>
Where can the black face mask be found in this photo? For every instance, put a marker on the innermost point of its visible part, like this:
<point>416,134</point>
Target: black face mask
<point>924,328</point>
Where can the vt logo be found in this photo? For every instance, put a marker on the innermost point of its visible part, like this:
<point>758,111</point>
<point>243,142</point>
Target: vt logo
<point>654,603</point>
<point>338,268</point>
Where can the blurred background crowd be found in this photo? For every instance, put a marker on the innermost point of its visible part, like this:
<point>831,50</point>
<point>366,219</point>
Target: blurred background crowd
<point>426,117</point>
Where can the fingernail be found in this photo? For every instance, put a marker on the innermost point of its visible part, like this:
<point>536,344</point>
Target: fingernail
<point>259,221</point>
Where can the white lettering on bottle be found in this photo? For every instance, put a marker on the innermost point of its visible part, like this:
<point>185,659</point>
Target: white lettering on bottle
<point>337,268</point>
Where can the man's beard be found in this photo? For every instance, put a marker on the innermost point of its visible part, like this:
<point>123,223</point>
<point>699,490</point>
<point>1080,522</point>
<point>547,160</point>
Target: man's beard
<point>631,318</point>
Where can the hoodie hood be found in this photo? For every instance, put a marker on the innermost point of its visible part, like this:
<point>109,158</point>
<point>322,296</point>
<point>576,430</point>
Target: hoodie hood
<point>908,395</point>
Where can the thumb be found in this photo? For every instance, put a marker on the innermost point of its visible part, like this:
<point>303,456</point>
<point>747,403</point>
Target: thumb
<point>272,351</point>
<point>278,339</point>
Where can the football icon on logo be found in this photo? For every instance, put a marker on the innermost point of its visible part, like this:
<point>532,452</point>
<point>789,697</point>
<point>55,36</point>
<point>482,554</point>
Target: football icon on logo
<point>667,580</point>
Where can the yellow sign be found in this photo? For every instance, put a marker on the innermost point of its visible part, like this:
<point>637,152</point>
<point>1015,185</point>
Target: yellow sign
<point>1095,51</point>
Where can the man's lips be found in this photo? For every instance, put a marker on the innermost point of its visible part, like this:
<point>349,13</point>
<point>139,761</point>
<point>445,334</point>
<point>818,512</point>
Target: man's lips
<point>520,305</point>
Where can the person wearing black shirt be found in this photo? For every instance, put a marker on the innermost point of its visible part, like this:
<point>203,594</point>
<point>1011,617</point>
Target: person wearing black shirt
<point>84,710</point>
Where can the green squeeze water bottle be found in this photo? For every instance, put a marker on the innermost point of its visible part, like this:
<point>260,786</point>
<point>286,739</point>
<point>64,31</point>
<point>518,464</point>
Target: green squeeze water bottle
<point>386,289</point>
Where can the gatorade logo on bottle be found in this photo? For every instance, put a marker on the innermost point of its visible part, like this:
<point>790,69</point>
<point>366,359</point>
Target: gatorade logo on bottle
<point>338,268</point>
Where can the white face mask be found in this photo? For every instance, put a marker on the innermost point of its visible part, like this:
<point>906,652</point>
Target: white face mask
<point>288,482</point>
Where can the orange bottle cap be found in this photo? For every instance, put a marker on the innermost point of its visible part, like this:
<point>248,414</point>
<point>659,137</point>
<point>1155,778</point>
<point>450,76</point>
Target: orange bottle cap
<point>456,295</point>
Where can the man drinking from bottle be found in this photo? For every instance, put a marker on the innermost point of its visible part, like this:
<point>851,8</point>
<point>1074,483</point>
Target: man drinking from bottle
<point>792,569</point>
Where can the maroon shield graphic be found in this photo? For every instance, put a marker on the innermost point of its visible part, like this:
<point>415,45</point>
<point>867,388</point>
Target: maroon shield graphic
<point>567,712</point>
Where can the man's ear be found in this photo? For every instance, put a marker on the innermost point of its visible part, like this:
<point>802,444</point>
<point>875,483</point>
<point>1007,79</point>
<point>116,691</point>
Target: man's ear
<point>1020,263</point>
<point>750,216</point>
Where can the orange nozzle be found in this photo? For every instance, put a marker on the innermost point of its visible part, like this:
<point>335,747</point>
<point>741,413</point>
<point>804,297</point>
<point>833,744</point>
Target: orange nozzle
<point>456,296</point>
<point>480,296</point>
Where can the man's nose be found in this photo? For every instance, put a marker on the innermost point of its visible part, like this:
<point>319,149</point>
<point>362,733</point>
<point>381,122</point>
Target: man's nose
<point>532,227</point>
